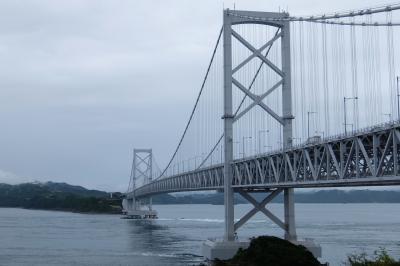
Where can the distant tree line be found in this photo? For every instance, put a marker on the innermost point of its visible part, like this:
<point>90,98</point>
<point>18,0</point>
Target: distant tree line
<point>322,196</point>
<point>43,196</point>
<point>62,196</point>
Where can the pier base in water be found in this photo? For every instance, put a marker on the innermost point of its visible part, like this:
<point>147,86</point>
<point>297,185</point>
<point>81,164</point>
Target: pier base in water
<point>223,250</point>
<point>141,214</point>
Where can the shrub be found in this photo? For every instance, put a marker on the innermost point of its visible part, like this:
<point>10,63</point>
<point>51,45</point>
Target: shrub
<point>381,258</point>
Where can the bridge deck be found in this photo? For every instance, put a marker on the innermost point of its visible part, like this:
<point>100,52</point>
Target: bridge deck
<point>368,157</point>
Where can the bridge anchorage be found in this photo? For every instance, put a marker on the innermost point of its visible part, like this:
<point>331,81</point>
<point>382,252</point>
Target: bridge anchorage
<point>142,168</point>
<point>368,155</point>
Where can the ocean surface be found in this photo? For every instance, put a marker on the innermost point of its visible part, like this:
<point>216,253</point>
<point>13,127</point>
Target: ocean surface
<point>33,237</point>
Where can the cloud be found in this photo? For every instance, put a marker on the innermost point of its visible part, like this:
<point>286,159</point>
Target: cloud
<point>11,178</point>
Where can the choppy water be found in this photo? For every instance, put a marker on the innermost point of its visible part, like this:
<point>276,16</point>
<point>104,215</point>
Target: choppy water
<point>29,237</point>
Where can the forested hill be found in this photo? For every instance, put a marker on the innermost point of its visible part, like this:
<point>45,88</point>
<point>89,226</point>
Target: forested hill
<point>58,196</point>
<point>351,196</point>
<point>77,190</point>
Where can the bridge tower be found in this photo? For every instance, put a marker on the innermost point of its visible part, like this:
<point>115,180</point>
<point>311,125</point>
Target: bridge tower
<point>268,19</point>
<point>142,169</point>
<point>228,247</point>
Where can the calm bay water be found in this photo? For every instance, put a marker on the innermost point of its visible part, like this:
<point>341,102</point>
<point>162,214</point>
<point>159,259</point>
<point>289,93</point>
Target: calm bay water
<point>31,237</point>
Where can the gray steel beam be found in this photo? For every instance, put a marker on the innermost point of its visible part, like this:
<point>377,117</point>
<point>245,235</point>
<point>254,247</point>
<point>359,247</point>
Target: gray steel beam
<point>228,129</point>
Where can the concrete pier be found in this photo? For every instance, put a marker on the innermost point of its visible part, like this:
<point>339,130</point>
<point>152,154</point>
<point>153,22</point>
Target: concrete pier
<point>223,250</point>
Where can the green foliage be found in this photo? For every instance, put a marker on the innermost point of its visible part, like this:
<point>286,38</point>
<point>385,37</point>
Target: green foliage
<point>57,196</point>
<point>381,258</point>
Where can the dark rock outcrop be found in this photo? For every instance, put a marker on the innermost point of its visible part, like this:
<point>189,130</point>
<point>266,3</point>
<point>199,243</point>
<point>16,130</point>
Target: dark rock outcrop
<point>271,251</point>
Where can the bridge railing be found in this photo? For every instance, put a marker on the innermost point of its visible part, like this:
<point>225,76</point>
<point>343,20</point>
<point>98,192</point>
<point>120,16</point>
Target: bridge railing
<point>352,133</point>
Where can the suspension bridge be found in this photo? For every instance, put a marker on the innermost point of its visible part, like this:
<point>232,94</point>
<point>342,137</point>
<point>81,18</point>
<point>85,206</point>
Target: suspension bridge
<point>286,102</point>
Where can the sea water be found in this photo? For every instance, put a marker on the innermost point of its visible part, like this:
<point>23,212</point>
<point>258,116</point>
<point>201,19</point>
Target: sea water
<point>34,237</point>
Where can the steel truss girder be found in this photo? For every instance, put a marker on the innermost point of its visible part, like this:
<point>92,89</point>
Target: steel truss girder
<point>365,159</point>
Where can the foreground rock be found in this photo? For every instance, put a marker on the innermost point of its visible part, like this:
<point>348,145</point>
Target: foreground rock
<point>271,251</point>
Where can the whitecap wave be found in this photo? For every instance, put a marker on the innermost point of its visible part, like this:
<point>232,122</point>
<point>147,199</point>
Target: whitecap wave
<point>165,255</point>
<point>206,220</point>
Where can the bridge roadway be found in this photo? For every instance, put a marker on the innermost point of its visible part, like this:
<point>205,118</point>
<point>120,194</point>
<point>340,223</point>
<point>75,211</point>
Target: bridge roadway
<point>368,157</point>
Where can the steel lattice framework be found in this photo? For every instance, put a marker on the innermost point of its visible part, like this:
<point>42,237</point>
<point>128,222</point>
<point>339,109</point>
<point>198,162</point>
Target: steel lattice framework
<point>363,159</point>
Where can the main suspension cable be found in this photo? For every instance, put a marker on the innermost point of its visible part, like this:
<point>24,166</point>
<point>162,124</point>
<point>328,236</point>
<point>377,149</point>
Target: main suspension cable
<point>195,105</point>
<point>241,103</point>
<point>346,14</point>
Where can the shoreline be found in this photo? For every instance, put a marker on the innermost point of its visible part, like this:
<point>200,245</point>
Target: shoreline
<point>61,210</point>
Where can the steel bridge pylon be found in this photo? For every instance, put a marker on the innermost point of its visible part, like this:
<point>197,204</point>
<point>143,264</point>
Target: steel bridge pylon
<point>229,246</point>
<point>142,168</point>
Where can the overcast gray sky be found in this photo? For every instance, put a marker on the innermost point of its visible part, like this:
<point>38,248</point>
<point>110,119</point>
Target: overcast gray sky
<point>83,82</point>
